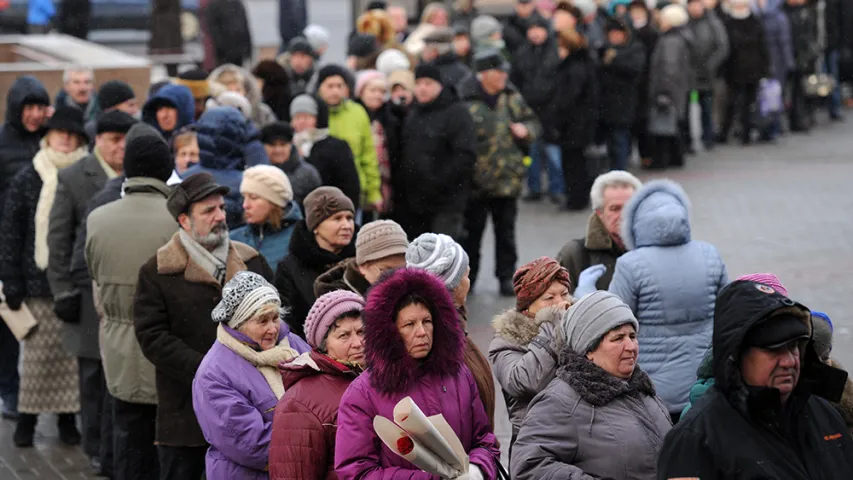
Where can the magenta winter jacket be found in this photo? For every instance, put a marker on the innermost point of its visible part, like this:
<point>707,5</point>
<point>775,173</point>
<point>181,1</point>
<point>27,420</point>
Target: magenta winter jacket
<point>441,383</point>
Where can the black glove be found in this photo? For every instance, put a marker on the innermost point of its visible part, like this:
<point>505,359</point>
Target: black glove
<point>14,303</point>
<point>67,307</point>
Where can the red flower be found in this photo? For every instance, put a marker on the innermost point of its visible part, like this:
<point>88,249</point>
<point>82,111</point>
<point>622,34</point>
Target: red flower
<point>405,445</point>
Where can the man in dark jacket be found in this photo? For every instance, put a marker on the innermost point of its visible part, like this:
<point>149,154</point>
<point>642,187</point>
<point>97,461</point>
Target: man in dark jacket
<point>438,50</point>
<point>113,95</point>
<point>622,62</point>
<point>26,108</point>
<point>178,288</point>
<point>73,303</point>
<point>432,183</point>
<point>228,25</point>
<point>78,91</point>
<point>710,50</point>
<point>505,127</point>
<point>602,244</point>
<point>515,29</point>
<point>768,414</point>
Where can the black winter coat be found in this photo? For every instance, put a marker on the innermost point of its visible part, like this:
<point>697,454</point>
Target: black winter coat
<point>648,36</point>
<point>296,274</point>
<point>619,80</point>
<point>171,315</point>
<point>21,277</point>
<point>17,145</point>
<point>571,117</point>
<point>740,432</point>
<point>534,69</point>
<point>515,32</point>
<point>439,153</point>
<point>804,32</point>
<point>228,26</point>
<point>748,60</point>
<point>453,70</point>
<point>333,159</point>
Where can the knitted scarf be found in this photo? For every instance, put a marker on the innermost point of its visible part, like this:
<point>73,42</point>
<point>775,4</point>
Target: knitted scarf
<point>47,163</point>
<point>213,262</point>
<point>266,362</point>
<point>306,140</point>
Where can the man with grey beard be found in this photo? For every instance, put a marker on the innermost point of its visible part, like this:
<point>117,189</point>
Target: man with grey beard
<point>177,290</point>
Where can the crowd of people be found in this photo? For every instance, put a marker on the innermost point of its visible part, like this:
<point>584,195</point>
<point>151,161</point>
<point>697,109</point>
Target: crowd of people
<point>235,276</point>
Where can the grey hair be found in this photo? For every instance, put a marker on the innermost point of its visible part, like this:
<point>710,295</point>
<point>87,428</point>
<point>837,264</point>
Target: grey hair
<point>66,75</point>
<point>614,178</point>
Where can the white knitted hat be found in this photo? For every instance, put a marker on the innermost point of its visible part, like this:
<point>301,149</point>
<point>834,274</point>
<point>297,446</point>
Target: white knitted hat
<point>269,183</point>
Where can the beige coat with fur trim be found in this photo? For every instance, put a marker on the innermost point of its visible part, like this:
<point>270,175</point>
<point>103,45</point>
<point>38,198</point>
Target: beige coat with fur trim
<point>524,354</point>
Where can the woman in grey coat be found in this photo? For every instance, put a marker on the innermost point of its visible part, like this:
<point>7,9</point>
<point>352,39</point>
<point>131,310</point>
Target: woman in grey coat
<point>611,424</point>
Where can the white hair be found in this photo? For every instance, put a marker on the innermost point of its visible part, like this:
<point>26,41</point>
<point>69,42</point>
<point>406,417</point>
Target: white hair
<point>614,178</point>
<point>674,15</point>
<point>66,75</point>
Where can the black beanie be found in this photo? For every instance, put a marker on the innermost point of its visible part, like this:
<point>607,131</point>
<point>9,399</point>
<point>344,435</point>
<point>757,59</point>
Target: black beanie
<point>146,154</point>
<point>276,131</point>
<point>427,70</point>
<point>114,92</point>
<point>114,121</point>
<point>362,45</point>
<point>194,74</point>
<point>330,71</point>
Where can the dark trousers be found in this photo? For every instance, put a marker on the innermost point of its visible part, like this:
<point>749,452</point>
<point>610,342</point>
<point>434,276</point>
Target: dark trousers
<point>416,224</point>
<point>95,411</point>
<point>706,108</point>
<point>800,114</point>
<point>640,132</point>
<point>668,152</point>
<point>181,463</point>
<point>578,181</point>
<point>741,101</point>
<point>133,438</point>
<point>504,212</point>
<point>618,138</point>
<point>9,379</point>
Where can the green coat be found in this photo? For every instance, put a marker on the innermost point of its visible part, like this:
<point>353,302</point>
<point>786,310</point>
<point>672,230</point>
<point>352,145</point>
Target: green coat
<point>350,123</point>
<point>500,169</point>
<point>121,236</point>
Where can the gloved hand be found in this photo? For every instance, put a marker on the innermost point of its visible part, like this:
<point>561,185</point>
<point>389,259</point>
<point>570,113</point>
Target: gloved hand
<point>474,473</point>
<point>67,307</point>
<point>587,279</point>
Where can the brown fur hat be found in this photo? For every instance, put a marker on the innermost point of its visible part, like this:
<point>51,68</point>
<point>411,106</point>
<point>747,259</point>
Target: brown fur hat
<point>378,24</point>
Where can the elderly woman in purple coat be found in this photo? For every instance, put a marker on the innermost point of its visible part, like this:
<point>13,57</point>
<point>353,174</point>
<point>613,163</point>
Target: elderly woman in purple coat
<point>238,384</point>
<point>413,345</point>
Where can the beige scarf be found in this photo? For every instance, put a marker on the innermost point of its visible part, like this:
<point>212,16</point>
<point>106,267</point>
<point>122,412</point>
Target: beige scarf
<point>266,362</point>
<point>47,163</point>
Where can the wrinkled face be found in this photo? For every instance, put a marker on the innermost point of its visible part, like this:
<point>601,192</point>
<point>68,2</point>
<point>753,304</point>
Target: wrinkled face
<point>62,141</point>
<point>335,232</point>
<point>416,329</point>
<point>494,80</point>
<point>372,271</point>
<point>167,118</point>
<point>373,94</point>
<point>401,95</point>
<point>206,222</point>
<point>557,293</point>
<point>617,37</point>
<point>427,90</point>
<point>186,156</point>
<point>695,9</point>
<point>460,295</point>
<point>303,121</point>
<point>563,20</point>
<point>263,329</point>
<point>33,117</point>
<point>333,90</point>
<point>537,35</point>
<point>778,368</point>
<point>256,210</point>
<point>278,151</point>
<point>300,62</point>
<point>130,107</point>
<point>615,198</point>
<point>80,86</point>
<point>345,340</point>
<point>399,18</point>
<point>461,45</point>
<point>617,352</point>
<point>111,147</point>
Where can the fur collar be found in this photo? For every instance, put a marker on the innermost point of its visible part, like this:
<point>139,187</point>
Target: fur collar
<point>173,259</point>
<point>596,386</point>
<point>520,329</point>
<point>391,368</point>
<point>304,247</point>
<point>266,361</point>
<point>597,237</point>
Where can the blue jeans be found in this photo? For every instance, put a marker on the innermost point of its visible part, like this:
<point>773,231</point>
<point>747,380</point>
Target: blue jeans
<point>830,66</point>
<point>618,138</point>
<point>554,166</point>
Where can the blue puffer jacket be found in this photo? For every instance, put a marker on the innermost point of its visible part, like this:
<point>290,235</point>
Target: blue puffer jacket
<point>226,141</point>
<point>274,244</point>
<point>671,283</point>
<point>176,96</point>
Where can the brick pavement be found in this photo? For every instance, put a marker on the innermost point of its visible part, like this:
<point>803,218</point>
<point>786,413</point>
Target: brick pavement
<point>782,208</point>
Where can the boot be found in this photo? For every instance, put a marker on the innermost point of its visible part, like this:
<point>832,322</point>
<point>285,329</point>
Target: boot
<point>25,430</point>
<point>68,433</point>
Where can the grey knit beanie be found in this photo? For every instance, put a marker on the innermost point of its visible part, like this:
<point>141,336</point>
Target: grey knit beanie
<point>440,255</point>
<point>592,317</point>
<point>303,104</point>
<point>242,296</point>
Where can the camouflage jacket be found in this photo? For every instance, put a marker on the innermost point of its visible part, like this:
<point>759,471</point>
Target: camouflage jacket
<point>500,169</point>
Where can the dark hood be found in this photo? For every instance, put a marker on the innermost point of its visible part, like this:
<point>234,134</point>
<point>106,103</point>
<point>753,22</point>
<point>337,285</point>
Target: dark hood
<point>739,307</point>
<point>223,133</point>
<point>24,91</point>
<point>392,369</point>
<point>177,96</point>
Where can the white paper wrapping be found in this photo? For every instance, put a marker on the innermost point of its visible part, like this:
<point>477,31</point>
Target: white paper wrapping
<point>418,455</point>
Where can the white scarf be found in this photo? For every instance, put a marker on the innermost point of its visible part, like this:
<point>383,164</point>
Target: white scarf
<point>305,140</point>
<point>47,163</point>
<point>214,263</point>
<point>266,362</point>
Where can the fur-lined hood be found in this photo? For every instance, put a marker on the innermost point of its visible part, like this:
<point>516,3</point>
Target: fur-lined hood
<point>515,327</point>
<point>392,369</point>
<point>657,215</point>
<point>596,386</point>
